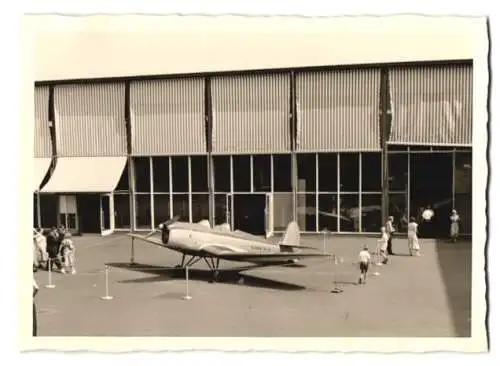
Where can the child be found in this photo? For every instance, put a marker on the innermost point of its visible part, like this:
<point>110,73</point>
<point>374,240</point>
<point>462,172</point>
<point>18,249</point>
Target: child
<point>454,218</point>
<point>364,263</point>
<point>413,238</point>
<point>382,244</point>
<point>67,252</point>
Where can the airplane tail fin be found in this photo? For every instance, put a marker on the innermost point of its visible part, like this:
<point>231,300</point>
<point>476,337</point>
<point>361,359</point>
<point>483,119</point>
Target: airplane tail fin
<point>291,239</point>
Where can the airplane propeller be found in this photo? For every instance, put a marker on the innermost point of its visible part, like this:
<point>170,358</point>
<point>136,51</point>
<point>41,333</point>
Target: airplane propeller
<point>164,227</point>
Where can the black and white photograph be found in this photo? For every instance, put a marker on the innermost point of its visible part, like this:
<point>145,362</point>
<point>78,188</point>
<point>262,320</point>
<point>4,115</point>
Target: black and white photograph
<point>231,177</point>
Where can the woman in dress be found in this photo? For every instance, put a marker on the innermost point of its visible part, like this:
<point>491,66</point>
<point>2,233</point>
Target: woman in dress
<point>454,228</point>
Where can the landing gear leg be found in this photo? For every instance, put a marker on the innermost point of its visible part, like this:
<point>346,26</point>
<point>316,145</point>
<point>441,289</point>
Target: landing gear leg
<point>182,262</point>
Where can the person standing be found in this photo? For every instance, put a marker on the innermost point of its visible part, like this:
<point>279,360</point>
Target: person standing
<point>389,229</point>
<point>382,245</point>
<point>454,227</point>
<point>53,249</point>
<point>413,245</point>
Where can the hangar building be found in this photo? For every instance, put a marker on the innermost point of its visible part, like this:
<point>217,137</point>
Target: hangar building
<point>331,136</point>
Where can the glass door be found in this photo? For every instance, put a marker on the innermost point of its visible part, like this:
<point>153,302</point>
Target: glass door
<point>68,216</point>
<point>269,215</point>
<point>107,214</point>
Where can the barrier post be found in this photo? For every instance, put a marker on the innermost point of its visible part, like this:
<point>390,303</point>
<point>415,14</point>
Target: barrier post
<point>336,289</point>
<point>132,253</point>
<point>325,231</point>
<point>50,284</point>
<point>187,297</point>
<point>107,296</point>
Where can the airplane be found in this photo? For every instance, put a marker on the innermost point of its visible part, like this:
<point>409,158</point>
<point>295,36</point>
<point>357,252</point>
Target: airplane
<point>200,241</point>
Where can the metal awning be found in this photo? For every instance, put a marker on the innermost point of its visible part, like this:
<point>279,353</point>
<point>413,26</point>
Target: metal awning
<point>86,175</point>
<point>41,167</point>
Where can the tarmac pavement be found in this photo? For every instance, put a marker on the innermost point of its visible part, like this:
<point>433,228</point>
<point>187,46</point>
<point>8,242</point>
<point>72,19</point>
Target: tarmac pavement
<point>426,296</point>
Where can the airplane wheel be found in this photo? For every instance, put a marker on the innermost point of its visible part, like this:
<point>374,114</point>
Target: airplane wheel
<point>216,276</point>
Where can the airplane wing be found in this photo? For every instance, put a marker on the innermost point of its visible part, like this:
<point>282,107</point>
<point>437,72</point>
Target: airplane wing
<point>148,239</point>
<point>233,255</point>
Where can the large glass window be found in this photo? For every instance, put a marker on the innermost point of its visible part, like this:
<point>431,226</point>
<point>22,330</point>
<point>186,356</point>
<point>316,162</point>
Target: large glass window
<point>349,213</point>
<point>398,172</point>
<point>398,209</point>
<point>199,174</point>
<point>306,171</point>
<point>327,212</point>
<point>431,185</point>
<point>162,208</point>
<point>123,183</point>
<point>199,207</point>
<point>122,211</point>
<point>143,211</point>
<point>282,165</point>
<point>142,175</point>
<point>241,173</point>
<point>222,173</point>
<point>371,213</point>
<point>180,174</point>
<point>371,172</point>
<point>161,174</point>
<point>349,172</point>
<point>463,190</point>
<point>306,211</point>
<point>262,173</point>
<point>181,206</point>
<point>327,166</point>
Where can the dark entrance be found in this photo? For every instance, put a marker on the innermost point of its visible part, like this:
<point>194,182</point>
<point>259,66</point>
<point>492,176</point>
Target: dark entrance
<point>106,225</point>
<point>49,208</point>
<point>249,213</point>
<point>89,213</point>
<point>431,185</point>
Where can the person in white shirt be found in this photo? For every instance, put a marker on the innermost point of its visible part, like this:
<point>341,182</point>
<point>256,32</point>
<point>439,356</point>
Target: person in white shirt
<point>454,227</point>
<point>389,229</point>
<point>364,263</point>
<point>413,245</point>
<point>382,245</point>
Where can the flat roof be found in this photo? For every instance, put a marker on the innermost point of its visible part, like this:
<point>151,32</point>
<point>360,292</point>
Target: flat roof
<point>103,46</point>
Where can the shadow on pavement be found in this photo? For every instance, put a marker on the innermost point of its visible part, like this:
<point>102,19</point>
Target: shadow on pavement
<point>455,261</point>
<point>227,276</point>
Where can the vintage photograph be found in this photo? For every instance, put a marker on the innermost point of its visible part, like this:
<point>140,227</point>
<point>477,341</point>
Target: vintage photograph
<point>234,176</point>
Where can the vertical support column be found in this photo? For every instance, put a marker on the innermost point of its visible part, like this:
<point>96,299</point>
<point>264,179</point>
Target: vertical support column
<point>170,187</point>
<point>190,193</point>
<point>231,174</point>
<point>151,193</point>
<point>251,174</point>
<point>360,196</point>
<point>317,192</point>
<point>453,188</point>
<point>131,180</point>
<point>210,160</point>
<point>385,126</point>
<point>408,181</point>
<point>38,210</point>
<point>338,192</point>
<point>293,142</point>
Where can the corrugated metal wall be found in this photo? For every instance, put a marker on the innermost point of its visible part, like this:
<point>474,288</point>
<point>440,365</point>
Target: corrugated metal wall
<point>431,105</point>
<point>90,120</point>
<point>168,117</point>
<point>43,143</point>
<point>251,114</point>
<point>338,111</point>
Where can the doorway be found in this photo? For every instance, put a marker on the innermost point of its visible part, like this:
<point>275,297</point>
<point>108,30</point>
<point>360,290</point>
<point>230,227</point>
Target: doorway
<point>431,184</point>
<point>89,208</point>
<point>68,216</point>
<point>249,213</point>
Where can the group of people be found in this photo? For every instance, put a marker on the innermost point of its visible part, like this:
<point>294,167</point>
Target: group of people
<point>54,248</point>
<point>384,243</point>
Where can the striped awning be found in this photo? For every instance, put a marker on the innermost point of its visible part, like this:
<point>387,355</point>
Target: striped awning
<point>43,142</point>
<point>431,105</point>
<point>168,117</point>
<point>90,120</point>
<point>251,114</point>
<point>338,111</point>
<point>40,169</point>
<point>85,175</point>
